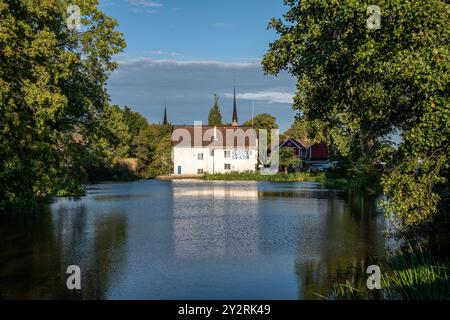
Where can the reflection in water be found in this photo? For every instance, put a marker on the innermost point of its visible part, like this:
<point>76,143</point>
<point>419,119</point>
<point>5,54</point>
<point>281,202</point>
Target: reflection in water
<point>44,244</point>
<point>353,235</point>
<point>26,257</point>
<point>215,218</point>
<point>215,190</point>
<point>192,240</point>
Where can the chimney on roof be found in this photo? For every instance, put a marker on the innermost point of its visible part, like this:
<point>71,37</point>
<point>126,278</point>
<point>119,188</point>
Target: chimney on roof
<point>235,117</point>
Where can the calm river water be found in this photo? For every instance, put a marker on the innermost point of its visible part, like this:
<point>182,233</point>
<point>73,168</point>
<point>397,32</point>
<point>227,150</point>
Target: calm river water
<point>191,240</point>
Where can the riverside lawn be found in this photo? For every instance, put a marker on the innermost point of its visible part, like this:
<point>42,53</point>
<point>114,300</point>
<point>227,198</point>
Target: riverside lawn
<point>329,180</point>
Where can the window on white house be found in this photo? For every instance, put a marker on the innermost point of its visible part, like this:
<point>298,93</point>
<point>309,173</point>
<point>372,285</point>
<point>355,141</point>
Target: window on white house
<point>227,166</point>
<point>199,171</point>
<point>199,156</point>
<point>227,154</point>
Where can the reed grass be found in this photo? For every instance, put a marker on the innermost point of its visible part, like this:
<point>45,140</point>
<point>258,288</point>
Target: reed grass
<point>416,275</point>
<point>411,274</point>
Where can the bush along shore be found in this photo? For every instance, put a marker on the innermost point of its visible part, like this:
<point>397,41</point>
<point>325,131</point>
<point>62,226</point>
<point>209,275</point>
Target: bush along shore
<point>356,180</point>
<point>257,176</point>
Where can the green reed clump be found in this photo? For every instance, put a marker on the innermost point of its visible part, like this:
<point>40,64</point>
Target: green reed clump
<point>346,291</point>
<point>410,274</point>
<point>415,274</point>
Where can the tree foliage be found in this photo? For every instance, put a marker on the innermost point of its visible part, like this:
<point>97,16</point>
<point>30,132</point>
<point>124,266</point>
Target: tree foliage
<point>288,159</point>
<point>122,136</point>
<point>215,117</point>
<point>358,85</point>
<point>157,143</point>
<point>263,121</point>
<point>134,120</point>
<point>298,130</point>
<point>52,83</point>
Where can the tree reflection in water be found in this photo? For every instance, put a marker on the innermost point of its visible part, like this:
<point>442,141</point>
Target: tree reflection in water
<point>38,248</point>
<point>339,260</point>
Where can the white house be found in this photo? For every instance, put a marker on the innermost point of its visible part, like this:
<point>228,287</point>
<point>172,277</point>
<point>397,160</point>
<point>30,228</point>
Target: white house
<point>222,149</point>
<point>214,149</point>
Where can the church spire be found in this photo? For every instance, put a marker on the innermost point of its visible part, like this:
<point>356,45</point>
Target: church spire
<point>165,116</point>
<point>235,117</point>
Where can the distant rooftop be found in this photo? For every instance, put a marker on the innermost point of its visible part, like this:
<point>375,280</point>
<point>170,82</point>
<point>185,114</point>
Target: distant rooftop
<point>214,136</point>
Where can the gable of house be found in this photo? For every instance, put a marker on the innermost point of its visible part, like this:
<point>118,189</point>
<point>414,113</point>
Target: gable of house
<point>300,147</point>
<point>214,136</point>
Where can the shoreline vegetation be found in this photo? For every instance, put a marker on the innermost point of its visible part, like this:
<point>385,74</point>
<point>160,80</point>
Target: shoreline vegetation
<point>333,180</point>
<point>329,180</point>
<point>411,273</point>
<point>348,177</point>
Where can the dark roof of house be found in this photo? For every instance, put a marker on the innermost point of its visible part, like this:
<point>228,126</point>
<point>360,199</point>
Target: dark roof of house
<point>229,136</point>
<point>318,150</point>
<point>303,143</point>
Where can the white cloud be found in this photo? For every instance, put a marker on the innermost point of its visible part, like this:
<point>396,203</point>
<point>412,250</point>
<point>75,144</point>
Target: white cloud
<point>145,3</point>
<point>143,10</point>
<point>267,96</point>
<point>165,53</point>
<point>187,88</point>
<point>169,62</point>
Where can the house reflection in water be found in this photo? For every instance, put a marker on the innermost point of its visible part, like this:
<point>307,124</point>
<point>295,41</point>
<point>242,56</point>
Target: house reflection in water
<point>215,219</point>
<point>323,234</point>
<point>250,218</point>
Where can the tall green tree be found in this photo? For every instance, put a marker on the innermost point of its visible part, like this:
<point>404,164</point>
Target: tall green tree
<point>288,159</point>
<point>144,145</point>
<point>364,83</point>
<point>134,120</point>
<point>52,88</point>
<point>297,130</point>
<point>152,147</point>
<point>263,121</point>
<point>215,117</point>
<point>117,131</point>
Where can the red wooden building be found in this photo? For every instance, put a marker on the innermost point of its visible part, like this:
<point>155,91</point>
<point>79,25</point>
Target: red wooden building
<point>308,153</point>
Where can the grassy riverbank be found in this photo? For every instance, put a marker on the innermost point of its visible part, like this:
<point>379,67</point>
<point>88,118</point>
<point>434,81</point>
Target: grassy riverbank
<point>330,180</point>
<point>256,176</point>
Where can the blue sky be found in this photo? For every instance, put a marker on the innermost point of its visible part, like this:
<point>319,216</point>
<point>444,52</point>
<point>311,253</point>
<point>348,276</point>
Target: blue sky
<point>181,52</point>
